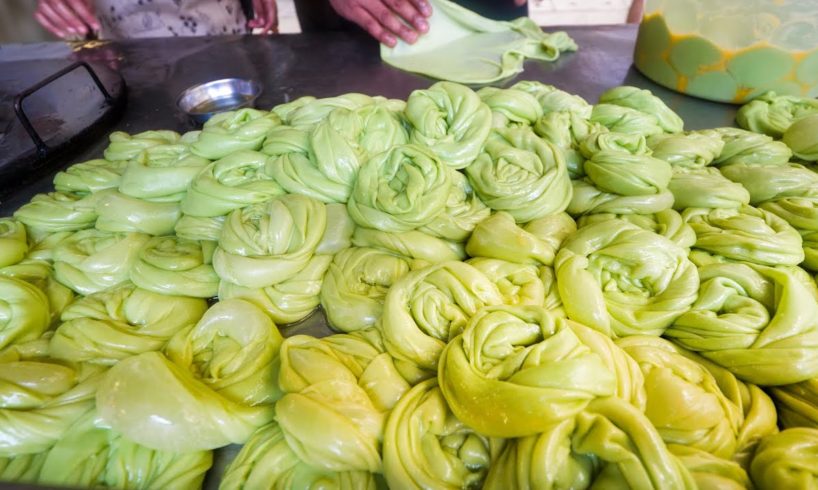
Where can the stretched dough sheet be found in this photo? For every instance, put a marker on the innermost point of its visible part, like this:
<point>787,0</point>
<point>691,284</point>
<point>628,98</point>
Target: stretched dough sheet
<point>464,47</point>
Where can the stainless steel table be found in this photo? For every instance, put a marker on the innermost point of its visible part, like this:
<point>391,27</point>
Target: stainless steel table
<point>289,66</point>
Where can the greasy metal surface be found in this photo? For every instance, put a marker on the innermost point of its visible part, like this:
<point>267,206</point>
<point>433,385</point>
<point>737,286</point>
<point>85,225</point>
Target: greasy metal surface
<point>200,102</point>
<point>20,99</point>
<point>288,66</point>
<point>157,71</point>
<point>65,114</point>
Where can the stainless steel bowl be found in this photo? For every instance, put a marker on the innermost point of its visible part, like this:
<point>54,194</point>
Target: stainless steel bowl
<point>201,102</point>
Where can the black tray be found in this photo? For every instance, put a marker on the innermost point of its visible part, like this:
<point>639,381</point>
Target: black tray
<point>53,116</point>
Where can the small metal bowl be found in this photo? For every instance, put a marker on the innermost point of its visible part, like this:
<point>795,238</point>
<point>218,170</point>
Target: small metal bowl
<point>201,102</point>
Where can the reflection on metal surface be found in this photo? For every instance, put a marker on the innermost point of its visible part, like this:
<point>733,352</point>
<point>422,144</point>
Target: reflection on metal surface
<point>92,44</point>
<point>202,101</point>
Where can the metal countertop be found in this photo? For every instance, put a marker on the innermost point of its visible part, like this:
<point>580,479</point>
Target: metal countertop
<point>289,66</point>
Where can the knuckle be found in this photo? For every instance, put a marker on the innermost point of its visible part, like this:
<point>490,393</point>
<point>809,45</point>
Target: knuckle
<point>406,9</point>
<point>385,16</point>
<point>372,27</point>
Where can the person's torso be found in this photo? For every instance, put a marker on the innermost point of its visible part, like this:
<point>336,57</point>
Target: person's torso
<point>166,18</point>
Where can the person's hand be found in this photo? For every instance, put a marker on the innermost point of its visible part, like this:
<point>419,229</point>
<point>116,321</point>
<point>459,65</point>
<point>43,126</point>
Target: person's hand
<point>387,20</point>
<point>67,18</point>
<point>265,16</point>
<point>520,3</point>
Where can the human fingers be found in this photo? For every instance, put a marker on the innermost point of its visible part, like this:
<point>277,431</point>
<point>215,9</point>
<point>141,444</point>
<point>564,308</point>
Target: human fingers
<point>49,25</point>
<point>373,27</point>
<point>258,11</point>
<point>83,10</point>
<point>71,19</point>
<point>270,20</point>
<point>423,7</point>
<point>389,21</point>
<point>410,13</point>
<point>52,20</point>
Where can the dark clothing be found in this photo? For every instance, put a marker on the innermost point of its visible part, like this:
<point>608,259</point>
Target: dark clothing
<point>318,15</point>
<point>495,9</point>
